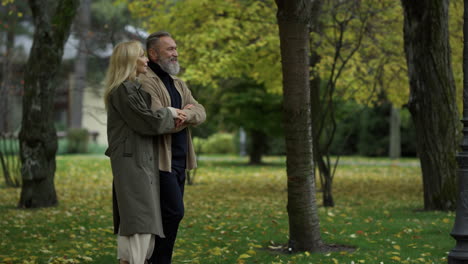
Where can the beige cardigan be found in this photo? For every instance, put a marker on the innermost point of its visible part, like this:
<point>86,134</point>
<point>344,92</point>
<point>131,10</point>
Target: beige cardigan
<point>160,98</point>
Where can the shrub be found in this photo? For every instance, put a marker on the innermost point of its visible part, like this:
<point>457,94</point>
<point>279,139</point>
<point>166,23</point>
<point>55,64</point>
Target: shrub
<point>77,140</point>
<point>219,143</point>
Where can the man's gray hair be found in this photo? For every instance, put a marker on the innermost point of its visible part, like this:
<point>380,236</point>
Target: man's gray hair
<point>153,39</point>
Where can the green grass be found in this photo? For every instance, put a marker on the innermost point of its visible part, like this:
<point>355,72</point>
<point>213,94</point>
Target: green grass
<point>234,212</point>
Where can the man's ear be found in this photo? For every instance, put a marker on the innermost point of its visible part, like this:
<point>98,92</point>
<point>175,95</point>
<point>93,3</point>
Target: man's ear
<point>153,55</point>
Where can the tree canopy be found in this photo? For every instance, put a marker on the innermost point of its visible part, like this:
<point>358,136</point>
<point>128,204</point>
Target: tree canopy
<point>239,38</point>
<point>219,39</point>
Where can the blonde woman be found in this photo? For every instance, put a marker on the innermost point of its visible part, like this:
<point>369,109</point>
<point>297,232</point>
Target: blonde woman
<point>132,129</point>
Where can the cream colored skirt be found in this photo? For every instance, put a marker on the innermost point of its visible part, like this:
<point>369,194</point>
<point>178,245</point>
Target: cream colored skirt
<point>136,248</point>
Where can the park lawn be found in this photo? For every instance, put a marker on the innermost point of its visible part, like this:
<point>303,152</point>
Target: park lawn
<point>234,214</point>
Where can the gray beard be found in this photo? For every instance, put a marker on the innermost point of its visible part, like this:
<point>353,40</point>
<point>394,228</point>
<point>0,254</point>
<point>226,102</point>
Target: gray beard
<point>171,68</point>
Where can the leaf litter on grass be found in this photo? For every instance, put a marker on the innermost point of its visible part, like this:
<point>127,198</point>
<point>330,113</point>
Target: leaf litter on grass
<point>232,212</point>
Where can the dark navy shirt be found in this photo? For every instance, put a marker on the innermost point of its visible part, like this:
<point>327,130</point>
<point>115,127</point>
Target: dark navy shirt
<point>179,139</point>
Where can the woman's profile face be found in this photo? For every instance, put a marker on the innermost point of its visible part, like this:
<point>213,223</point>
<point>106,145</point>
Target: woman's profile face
<point>142,63</point>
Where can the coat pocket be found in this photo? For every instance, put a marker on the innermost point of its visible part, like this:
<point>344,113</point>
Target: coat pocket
<point>128,146</point>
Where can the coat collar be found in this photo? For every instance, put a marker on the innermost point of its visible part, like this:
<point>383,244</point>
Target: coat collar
<point>130,85</point>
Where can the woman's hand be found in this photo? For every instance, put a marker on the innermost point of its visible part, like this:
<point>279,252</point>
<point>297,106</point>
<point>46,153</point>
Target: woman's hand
<point>181,117</point>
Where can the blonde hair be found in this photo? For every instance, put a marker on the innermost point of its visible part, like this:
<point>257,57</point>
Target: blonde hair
<point>122,66</point>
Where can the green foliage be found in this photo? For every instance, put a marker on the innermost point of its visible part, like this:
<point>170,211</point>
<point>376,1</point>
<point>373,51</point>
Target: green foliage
<point>373,132</point>
<point>363,130</point>
<point>222,43</point>
<point>379,66</point>
<point>10,164</point>
<point>219,143</point>
<point>248,104</point>
<point>456,45</point>
<point>361,47</point>
<point>348,115</point>
<point>93,148</point>
<point>232,39</point>
<point>408,134</point>
<point>106,11</point>
<point>219,39</point>
<point>276,146</point>
<point>107,23</point>
<point>236,214</point>
<point>77,140</point>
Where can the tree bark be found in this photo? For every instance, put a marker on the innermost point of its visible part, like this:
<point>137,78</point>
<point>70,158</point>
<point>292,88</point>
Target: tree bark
<point>432,99</point>
<point>77,90</point>
<point>304,228</point>
<point>38,138</point>
<point>395,138</point>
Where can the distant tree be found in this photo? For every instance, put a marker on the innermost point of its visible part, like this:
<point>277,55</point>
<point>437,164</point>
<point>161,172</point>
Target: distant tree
<point>394,146</point>
<point>82,29</point>
<point>341,28</point>
<point>11,14</point>
<point>245,103</point>
<point>432,100</point>
<point>38,138</point>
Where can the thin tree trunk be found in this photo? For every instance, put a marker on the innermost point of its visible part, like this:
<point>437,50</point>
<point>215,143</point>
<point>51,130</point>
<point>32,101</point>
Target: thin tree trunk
<point>304,228</point>
<point>326,177</point>
<point>315,111</point>
<point>38,138</point>
<point>395,138</point>
<point>432,99</point>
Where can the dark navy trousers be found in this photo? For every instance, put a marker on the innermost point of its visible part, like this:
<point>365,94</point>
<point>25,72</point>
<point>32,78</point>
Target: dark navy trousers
<point>172,212</point>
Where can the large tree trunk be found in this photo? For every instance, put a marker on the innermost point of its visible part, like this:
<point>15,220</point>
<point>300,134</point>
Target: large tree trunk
<point>79,85</point>
<point>38,139</point>
<point>304,227</point>
<point>432,99</point>
<point>395,138</point>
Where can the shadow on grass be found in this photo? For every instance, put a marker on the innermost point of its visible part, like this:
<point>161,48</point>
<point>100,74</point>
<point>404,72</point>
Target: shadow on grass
<point>8,207</point>
<point>237,163</point>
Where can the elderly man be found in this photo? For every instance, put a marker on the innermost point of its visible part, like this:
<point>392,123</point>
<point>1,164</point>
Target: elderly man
<point>176,152</point>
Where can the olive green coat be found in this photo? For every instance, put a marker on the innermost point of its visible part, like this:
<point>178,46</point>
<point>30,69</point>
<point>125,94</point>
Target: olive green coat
<point>131,128</point>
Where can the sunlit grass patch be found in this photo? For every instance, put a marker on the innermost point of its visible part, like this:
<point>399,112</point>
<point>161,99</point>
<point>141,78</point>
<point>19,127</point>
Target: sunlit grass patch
<point>233,212</point>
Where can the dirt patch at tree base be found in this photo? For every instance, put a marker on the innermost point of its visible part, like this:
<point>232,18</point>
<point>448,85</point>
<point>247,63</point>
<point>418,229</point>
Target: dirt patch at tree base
<point>325,248</point>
